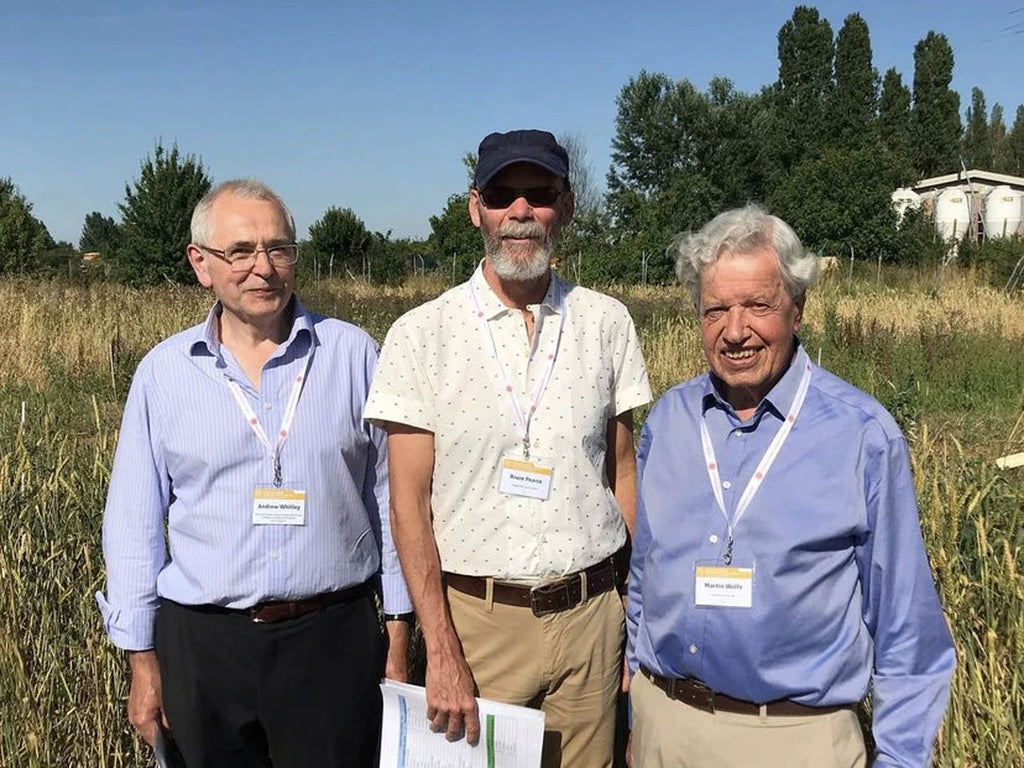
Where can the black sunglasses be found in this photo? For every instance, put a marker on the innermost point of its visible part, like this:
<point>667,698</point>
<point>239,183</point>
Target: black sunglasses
<point>495,196</point>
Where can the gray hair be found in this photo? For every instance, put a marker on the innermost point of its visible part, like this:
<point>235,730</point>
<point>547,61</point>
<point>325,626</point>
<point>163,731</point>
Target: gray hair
<point>249,189</point>
<point>741,231</point>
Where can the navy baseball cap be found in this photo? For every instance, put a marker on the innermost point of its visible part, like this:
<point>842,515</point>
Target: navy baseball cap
<point>499,150</point>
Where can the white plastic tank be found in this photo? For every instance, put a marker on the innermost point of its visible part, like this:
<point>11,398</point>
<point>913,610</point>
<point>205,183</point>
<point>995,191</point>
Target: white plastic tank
<point>1003,212</point>
<point>952,213</point>
<point>903,200</point>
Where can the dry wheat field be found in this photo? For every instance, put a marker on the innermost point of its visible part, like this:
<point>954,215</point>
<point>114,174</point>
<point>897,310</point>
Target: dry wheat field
<point>944,353</point>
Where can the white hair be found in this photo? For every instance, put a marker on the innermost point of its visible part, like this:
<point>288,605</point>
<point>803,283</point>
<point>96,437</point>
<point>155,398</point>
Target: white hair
<point>249,189</point>
<point>741,231</point>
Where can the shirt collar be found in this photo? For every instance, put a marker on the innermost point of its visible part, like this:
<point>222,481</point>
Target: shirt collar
<point>779,398</point>
<point>205,340</point>
<point>492,306</point>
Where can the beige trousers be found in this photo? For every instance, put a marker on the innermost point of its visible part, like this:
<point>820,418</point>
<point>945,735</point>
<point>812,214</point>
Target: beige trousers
<point>671,734</point>
<point>567,664</point>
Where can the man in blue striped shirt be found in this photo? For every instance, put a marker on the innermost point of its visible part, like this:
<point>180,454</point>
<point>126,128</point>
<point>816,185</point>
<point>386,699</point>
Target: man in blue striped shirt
<point>252,630</point>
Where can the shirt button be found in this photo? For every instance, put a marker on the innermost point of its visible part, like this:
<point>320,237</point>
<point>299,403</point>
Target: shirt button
<point>713,538</point>
<point>726,484</point>
<point>738,433</point>
<point>276,555</point>
<point>693,649</point>
<point>268,406</point>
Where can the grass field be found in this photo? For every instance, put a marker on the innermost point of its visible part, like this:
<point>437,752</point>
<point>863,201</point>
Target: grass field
<point>945,356</point>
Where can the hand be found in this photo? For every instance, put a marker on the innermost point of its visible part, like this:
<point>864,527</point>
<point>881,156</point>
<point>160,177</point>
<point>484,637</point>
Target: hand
<point>396,664</point>
<point>629,749</point>
<point>451,702</point>
<point>145,699</point>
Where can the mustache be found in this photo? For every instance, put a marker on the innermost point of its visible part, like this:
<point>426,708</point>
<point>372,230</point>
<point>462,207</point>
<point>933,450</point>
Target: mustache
<point>530,229</point>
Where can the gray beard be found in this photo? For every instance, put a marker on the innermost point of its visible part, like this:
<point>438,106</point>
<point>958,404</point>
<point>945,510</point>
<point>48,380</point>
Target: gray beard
<point>513,263</point>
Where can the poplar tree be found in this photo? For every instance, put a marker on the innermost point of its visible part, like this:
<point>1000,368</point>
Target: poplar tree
<point>156,214</point>
<point>806,51</point>
<point>935,117</point>
<point>855,97</point>
<point>1015,144</point>
<point>894,115</point>
<point>1001,158</point>
<point>977,142</point>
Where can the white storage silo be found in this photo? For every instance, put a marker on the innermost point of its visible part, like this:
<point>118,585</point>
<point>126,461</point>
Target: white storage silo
<point>903,200</point>
<point>1003,212</point>
<point>952,213</point>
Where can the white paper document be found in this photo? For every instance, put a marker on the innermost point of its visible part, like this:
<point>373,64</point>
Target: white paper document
<point>510,736</point>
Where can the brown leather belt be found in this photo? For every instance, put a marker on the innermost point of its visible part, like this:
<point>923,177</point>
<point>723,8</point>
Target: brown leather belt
<point>552,597</point>
<point>272,611</point>
<point>696,694</point>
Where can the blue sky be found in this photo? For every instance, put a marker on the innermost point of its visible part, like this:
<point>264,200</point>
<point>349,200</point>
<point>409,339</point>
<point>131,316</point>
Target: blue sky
<point>370,105</point>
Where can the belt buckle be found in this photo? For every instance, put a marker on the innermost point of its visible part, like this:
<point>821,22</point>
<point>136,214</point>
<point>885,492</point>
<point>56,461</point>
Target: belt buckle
<point>551,588</point>
<point>703,696</point>
<point>254,614</point>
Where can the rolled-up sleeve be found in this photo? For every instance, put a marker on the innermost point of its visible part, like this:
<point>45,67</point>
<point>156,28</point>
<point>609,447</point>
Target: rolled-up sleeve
<point>134,547</point>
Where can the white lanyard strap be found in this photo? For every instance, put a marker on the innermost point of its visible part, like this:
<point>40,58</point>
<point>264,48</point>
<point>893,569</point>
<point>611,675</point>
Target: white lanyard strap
<point>766,461</point>
<point>523,419</point>
<point>286,424</point>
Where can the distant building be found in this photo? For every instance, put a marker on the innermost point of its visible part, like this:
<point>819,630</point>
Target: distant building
<point>973,204</point>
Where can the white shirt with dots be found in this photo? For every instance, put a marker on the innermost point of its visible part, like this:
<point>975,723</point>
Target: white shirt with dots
<point>437,372</point>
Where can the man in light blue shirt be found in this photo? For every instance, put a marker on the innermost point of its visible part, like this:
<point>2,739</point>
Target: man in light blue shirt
<point>778,570</point>
<point>252,629</point>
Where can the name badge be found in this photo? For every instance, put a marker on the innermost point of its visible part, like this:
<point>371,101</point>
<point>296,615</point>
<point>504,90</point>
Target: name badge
<point>725,587</point>
<point>278,506</point>
<point>522,477</point>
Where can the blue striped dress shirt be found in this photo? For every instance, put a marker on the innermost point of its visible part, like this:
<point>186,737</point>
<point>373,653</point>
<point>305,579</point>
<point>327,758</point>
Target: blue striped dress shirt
<point>843,597</point>
<point>187,459</point>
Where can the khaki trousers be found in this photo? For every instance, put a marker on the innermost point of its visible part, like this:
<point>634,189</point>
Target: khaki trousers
<point>567,664</point>
<point>671,734</point>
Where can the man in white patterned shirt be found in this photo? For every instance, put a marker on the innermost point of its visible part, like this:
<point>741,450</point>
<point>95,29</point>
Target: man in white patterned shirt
<point>508,405</point>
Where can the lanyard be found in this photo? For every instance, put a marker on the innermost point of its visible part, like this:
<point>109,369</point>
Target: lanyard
<point>524,419</point>
<point>286,424</point>
<point>766,461</point>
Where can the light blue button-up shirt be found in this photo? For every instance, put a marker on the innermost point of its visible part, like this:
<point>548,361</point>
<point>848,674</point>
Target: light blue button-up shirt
<point>188,459</point>
<point>842,593</point>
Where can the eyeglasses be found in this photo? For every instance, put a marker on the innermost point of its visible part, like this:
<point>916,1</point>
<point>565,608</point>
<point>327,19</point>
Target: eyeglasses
<point>242,258</point>
<point>502,197</point>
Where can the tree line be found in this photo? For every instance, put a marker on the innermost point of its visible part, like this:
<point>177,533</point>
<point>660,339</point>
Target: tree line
<point>824,146</point>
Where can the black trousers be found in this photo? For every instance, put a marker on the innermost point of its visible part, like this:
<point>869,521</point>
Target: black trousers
<point>300,693</point>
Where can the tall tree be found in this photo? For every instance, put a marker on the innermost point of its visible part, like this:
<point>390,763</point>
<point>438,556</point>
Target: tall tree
<point>661,140</point>
<point>156,214</point>
<point>977,141</point>
<point>1001,158</point>
<point>658,133</point>
<point>1015,144</point>
<point>854,98</point>
<point>22,236</point>
<point>737,156</point>
<point>894,115</point>
<point>340,238</point>
<point>806,52</point>
<point>100,234</point>
<point>935,118</point>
